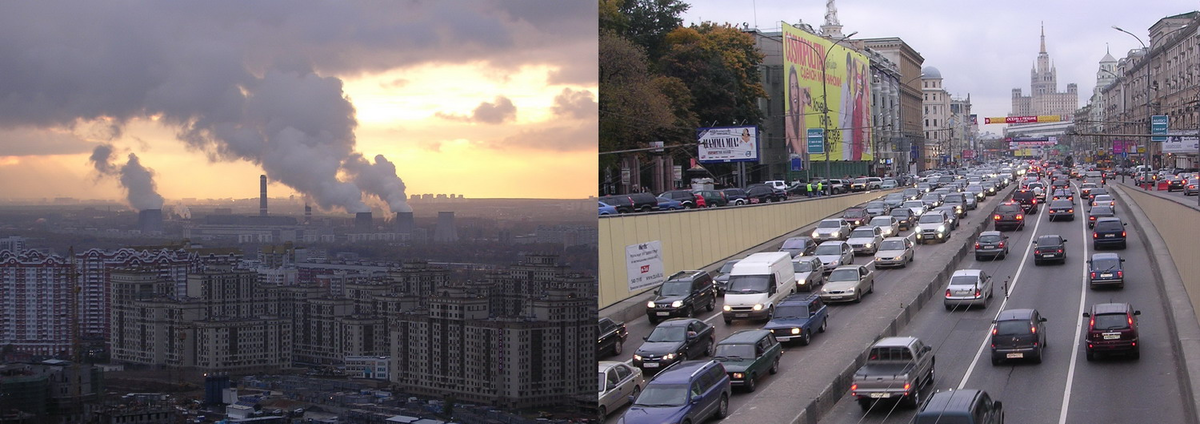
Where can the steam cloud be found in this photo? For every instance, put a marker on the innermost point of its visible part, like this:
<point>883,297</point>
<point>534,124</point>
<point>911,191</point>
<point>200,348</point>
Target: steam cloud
<point>136,180</point>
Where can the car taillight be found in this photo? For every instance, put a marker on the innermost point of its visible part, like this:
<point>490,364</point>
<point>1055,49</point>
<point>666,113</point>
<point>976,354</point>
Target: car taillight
<point>1095,235</point>
<point>1122,234</point>
<point>1120,274</point>
<point>1091,218</point>
<point>1034,330</point>
<point>1059,250</point>
<point>1001,245</point>
<point>976,245</point>
<point>947,292</point>
<point>1130,320</point>
<point>1020,217</point>
<point>1035,201</point>
<point>976,292</point>
<point>1070,211</point>
<point>994,331</point>
<point>854,387</point>
<point>1093,275</point>
<point>997,217</point>
<point>1092,323</point>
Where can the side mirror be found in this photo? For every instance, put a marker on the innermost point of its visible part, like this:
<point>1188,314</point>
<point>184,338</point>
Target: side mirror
<point>926,349</point>
<point>1043,319</point>
<point>695,400</point>
<point>1137,312</point>
<point>1064,240</point>
<point>645,337</point>
<point>1087,314</point>
<point>997,405</point>
<point>1122,259</point>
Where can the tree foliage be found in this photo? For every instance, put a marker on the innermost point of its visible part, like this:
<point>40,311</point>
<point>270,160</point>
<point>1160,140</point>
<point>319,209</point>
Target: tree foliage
<point>720,65</point>
<point>645,22</point>
<point>632,109</point>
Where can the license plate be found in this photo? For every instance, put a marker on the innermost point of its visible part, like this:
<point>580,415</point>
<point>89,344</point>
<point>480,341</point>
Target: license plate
<point>1015,355</point>
<point>663,314</point>
<point>1112,336</point>
<point>836,297</point>
<point>880,395</point>
<point>1110,235</point>
<point>1047,256</point>
<point>741,315</point>
<point>1106,275</point>
<point>650,365</point>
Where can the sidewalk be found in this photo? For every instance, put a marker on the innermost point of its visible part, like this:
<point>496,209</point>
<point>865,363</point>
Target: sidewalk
<point>1189,201</point>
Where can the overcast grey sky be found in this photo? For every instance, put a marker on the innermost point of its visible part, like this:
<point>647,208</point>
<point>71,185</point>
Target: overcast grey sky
<point>984,49</point>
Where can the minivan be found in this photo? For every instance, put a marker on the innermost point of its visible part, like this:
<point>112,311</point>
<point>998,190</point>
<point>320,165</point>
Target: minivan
<point>756,284</point>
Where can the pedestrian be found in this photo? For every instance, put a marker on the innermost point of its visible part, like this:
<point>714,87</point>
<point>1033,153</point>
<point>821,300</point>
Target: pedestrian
<point>820,187</point>
<point>810,189</point>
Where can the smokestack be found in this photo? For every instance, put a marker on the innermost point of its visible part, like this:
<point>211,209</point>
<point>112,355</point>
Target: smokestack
<point>150,221</point>
<point>444,232</point>
<point>262,195</point>
<point>307,213</point>
<point>404,222</point>
<point>362,221</point>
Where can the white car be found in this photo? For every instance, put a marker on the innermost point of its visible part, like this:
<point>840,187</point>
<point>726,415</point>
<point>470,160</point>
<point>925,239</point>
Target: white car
<point>865,240</point>
<point>618,382</point>
<point>1104,199</point>
<point>916,206</point>
<point>834,253</point>
<point>831,229</point>
<point>848,283</point>
<point>810,272</point>
<point>895,251</point>
<point>888,184</point>
<point>888,225</point>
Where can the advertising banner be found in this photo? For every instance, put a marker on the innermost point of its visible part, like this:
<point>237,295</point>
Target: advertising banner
<point>643,263</point>
<point>840,81</point>
<point>1024,119</point>
<point>1177,144</point>
<point>728,144</point>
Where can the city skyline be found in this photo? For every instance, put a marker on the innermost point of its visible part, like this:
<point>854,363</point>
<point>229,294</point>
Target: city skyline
<point>488,104</point>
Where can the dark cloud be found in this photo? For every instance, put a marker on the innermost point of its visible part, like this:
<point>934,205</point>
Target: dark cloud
<point>487,112</point>
<point>578,104</point>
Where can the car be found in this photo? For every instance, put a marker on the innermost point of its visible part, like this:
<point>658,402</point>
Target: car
<point>736,196</point>
<point>712,198</point>
<point>933,225</point>
<point>1106,269</point>
<point>681,295</point>
<point>977,191</point>
<point>1108,232</point>
<point>904,218</point>
<point>951,216</point>
<point>1061,209</point>
<point>856,217</point>
<point>859,184</point>
<point>1098,212</point>
<point>834,253</point>
<point>1193,186</point>
<point>888,225</point>
<point>836,186</point>
<point>888,184</point>
<point>917,207</point>
<point>848,283</point>
<point>798,246</point>
<point>619,382</point>
<point>1098,191</point>
<point>690,392</point>
<point>894,200</point>
<point>1111,328</point>
<point>760,193</point>
<point>644,202</point>
<point>865,240</point>
<point>991,245</point>
<point>1009,216</point>
<point>611,337</point>
<point>1175,183</point>
<point>912,193</point>
<point>607,209</point>
<point>1063,194</point>
<point>1018,334</point>
<point>959,201</point>
<point>747,355</point>
<point>931,200</point>
<point>1104,199</point>
<point>989,188</point>
<point>874,183</point>
<point>877,208</point>
<point>962,406</point>
<point>668,204</point>
<point>674,340</point>
<point>1085,190</point>
<point>810,272</point>
<point>831,229</point>
<point>798,317</point>
<point>684,197</point>
<point>1027,199</point>
<point>1039,190</point>
<point>722,278</point>
<point>968,287</point>
<point>1051,247</point>
<point>621,202</point>
<point>924,187</point>
<point>895,252</point>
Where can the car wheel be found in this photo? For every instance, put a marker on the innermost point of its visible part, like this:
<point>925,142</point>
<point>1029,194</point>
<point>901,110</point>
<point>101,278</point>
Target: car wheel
<point>728,321</point>
<point>1091,356</point>
<point>871,289</point>
<point>1038,359</point>
<point>712,304</point>
<point>691,313</point>
<point>775,366</point>
<point>603,412</point>
<point>806,338</point>
<point>653,321</point>
<point>978,258</point>
<point>858,297</point>
<point>1136,354</point>
<point>618,347</point>
<point>949,307</point>
<point>865,404</point>
<point>914,401</point>
<point>824,322</point>
<point>723,407</point>
<point>751,385</point>
<point>995,361</point>
<point>636,391</point>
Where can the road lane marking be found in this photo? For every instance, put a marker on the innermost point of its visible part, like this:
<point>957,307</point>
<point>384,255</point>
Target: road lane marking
<point>1062,416</point>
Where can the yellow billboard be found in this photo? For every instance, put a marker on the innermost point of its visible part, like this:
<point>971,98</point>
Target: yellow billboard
<point>819,76</point>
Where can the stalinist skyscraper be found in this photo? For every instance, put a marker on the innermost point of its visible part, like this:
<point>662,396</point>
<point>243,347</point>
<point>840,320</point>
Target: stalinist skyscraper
<point>1044,98</point>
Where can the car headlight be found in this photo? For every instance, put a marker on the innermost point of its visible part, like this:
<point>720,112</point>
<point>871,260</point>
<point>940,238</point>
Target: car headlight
<point>738,376</point>
<point>677,304</point>
<point>941,228</point>
<point>851,290</point>
<point>816,234</point>
<point>669,356</point>
<point>650,304</point>
<point>795,331</point>
<point>758,306</point>
<point>868,245</point>
<point>726,308</point>
<point>918,230</point>
<point>637,357</point>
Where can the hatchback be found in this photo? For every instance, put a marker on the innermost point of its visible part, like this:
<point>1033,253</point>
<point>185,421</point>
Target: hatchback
<point>1099,212</point>
<point>991,245</point>
<point>1105,269</point>
<point>1050,248</point>
<point>1112,328</point>
<point>968,287</point>
<point>1018,334</point>
<point>1108,232</point>
<point>691,391</point>
<point>1062,209</point>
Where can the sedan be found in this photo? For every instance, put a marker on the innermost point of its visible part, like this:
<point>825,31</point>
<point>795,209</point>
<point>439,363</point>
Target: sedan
<point>675,340</point>
<point>607,209</point>
<point>865,240</point>
<point>668,204</point>
<point>848,283</point>
<point>887,224</point>
<point>834,253</point>
<point>1099,212</point>
<point>916,206</point>
<point>968,287</point>
<point>1062,209</point>
<point>810,272</point>
<point>1050,248</point>
<point>798,246</point>
<point>856,216</point>
<point>1104,199</point>
<point>619,383</point>
<point>1018,334</point>
<point>831,229</point>
<point>612,335</point>
<point>991,244</point>
<point>894,251</point>
<point>904,218</point>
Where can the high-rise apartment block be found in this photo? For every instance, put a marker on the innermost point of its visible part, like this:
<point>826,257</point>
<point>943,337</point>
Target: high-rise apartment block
<point>35,303</point>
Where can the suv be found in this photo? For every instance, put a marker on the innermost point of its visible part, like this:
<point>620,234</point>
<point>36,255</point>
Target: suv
<point>965,406</point>
<point>691,391</point>
<point>675,340</point>
<point>748,355</point>
<point>797,317</point>
<point>933,225</point>
<point>1106,269</point>
<point>1108,232</point>
<point>1112,327</point>
<point>1018,334</point>
<point>681,294</point>
<point>685,197</point>
<point>1009,215</point>
<point>644,202</point>
<point>1027,199</point>
<point>1062,209</point>
<point>712,198</point>
<point>736,196</point>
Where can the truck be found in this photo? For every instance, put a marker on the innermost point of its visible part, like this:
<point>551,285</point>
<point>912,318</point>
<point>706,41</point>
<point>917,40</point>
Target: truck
<point>896,368</point>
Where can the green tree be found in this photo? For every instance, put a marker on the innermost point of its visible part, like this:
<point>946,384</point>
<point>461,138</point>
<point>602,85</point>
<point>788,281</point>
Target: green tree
<point>645,22</point>
<point>720,65</point>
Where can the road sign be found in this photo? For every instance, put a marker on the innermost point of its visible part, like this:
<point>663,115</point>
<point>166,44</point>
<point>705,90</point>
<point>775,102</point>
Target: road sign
<point>1159,125</point>
<point>816,141</point>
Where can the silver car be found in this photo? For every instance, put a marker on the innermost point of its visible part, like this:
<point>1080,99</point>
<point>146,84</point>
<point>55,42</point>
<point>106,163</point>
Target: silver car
<point>894,251</point>
<point>848,283</point>
<point>810,272</point>
<point>618,382</point>
<point>834,253</point>
<point>865,240</point>
<point>831,229</point>
<point>968,287</point>
<point>888,225</point>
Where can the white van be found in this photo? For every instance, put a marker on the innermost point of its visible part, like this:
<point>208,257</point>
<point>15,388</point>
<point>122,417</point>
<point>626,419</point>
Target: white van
<point>756,284</point>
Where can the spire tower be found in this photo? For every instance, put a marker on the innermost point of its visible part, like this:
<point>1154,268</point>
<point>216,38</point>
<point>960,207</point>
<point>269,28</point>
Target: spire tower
<point>832,28</point>
<point>1043,37</point>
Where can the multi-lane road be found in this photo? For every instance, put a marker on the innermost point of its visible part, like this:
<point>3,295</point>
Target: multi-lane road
<point>1064,388</point>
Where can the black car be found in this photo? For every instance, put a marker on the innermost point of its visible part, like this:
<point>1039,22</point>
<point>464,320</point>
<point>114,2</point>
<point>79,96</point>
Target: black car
<point>1175,183</point>
<point>961,406</point>
<point>1018,334</point>
<point>912,193</point>
<point>1097,212</point>
<point>610,337</point>
<point>736,196</point>
<point>1050,248</point>
<point>905,217</point>
<point>877,208</point>
<point>1010,216</point>
<point>1063,194</point>
<point>684,197</point>
<point>761,193</point>
<point>681,295</point>
<point>1106,269</point>
<point>644,202</point>
<point>674,340</point>
<point>1061,209</point>
<point>798,246</point>
<point>1108,232</point>
<point>1027,199</point>
<point>622,202</point>
<point>959,201</point>
<point>1098,191</point>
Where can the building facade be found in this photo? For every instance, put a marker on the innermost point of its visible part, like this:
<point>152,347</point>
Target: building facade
<point>908,132</point>
<point>1044,97</point>
<point>35,303</point>
<point>936,119</point>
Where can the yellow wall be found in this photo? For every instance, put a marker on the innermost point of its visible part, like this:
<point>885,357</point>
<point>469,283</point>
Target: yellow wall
<point>694,239</point>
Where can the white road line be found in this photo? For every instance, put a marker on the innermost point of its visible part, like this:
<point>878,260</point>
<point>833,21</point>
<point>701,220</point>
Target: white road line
<point>1015,279</point>
<point>1062,416</point>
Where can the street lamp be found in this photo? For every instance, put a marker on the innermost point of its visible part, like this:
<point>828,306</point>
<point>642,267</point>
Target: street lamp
<point>825,96</point>
<point>1149,113</point>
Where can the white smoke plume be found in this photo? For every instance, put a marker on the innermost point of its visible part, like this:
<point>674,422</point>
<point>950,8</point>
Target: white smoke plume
<point>136,180</point>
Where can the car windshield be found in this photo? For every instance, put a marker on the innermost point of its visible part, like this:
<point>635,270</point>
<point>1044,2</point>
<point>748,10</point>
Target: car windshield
<point>1008,209</point>
<point>1048,241</point>
<point>746,284</point>
<point>963,280</point>
<point>676,288</point>
<point>848,274</point>
<point>880,221</point>
<point>802,266</point>
<point>729,350</point>
<point>671,333</point>
<point>895,196</point>
<point>1098,192</point>
<point>1108,226</point>
<point>914,204</point>
<point>829,249</point>
<point>853,212</point>
<point>829,224</point>
<point>901,212</point>
<point>1102,210</point>
<point>795,243</point>
<point>1062,204</point>
<point>892,245</point>
<point>1035,185</point>
<point>725,269</point>
<point>1012,327</point>
<point>863,233</point>
<point>1106,264</point>
<point>873,205</point>
<point>792,311</point>
<point>662,395</point>
<point>989,238</point>
<point>931,218</point>
<point>1110,322</point>
<point>1104,198</point>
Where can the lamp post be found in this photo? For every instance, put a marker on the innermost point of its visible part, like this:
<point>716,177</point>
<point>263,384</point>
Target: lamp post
<point>825,96</point>
<point>1149,113</point>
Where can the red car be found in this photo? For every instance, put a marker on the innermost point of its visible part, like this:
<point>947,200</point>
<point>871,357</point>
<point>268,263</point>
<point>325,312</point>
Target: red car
<point>1112,328</point>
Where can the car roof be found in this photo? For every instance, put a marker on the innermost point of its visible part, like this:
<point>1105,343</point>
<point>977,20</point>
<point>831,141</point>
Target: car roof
<point>749,336</point>
<point>895,238</point>
<point>676,322</point>
<point>603,366</point>
<point>966,273</point>
<point>1106,255</point>
<point>837,242</point>
<point>991,233</point>
<point>1110,308</point>
<point>680,373</point>
<point>894,341</point>
<point>854,267</point>
<point>957,401</point>
<point>1014,314</point>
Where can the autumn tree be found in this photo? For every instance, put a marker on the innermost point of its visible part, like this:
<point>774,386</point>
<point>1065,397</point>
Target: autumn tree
<point>720,65</point>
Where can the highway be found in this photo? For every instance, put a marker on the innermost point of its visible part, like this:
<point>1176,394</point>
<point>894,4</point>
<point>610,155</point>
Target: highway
<point>1100,390</point>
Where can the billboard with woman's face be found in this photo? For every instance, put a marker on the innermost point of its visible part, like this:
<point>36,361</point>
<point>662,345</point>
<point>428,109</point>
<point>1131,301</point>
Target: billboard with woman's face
<point>845,91</point>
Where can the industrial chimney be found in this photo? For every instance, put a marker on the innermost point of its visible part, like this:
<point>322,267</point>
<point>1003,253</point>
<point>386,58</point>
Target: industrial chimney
<point>404,222</point>
<point>150,221</point>
<point>262,195</point>
<point>362,221</point>
<point>444,232</point>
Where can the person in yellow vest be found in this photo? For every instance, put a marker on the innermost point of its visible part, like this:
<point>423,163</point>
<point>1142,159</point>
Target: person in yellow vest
<point>820,188</point>
<point>810,189</point>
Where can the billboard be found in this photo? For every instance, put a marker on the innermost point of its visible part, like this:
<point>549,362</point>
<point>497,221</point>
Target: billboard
<point>1178,143</point>
<point>727,144</point>
<point>844,88</point>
